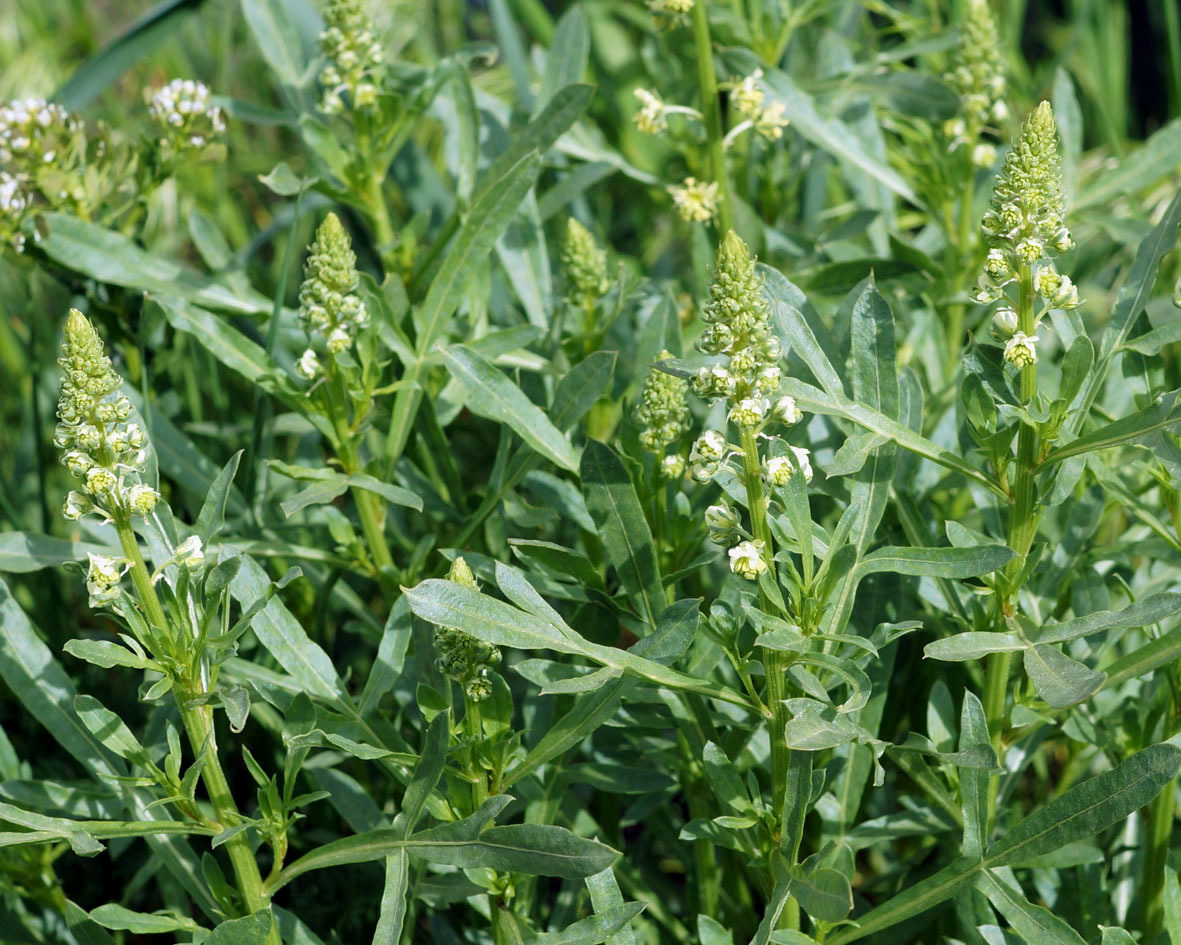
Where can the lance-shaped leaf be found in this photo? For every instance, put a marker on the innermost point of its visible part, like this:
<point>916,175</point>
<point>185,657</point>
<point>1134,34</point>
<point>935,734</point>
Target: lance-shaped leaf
<point>1034,923</point>
<point>971,561</point>
<point>1060,679</point>
<point>973,645</point>
<point>491,394</point>
<point>1142,613</point>
<point>1162,415</point>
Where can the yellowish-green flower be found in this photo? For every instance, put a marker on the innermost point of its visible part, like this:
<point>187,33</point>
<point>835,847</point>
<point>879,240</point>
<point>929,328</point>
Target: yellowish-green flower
<point>354,57</point>
<point>99,446</point>
<point>328,300</point>
<point>663,412</point>
<point>696,200</point>
<point>584,264</point>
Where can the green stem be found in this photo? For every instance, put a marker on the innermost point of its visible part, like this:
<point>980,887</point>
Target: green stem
<point>198,722</point>
<point>1152,883</point>
<point>711,109</point>
<point>1022,528</point>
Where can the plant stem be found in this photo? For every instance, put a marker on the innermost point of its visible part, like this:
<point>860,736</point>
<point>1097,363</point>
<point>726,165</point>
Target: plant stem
<point>198,722</point>
<point>711,108</point>
<point>1022,528</point>
<point>1161,812</point>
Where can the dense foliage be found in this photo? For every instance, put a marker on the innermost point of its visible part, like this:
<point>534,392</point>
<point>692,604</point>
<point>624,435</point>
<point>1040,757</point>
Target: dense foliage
<point>599,472</point>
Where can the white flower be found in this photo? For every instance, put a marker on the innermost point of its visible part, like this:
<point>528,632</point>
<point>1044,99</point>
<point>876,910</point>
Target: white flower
<point>672,466</point>
<point>983,155</point>
<point>748,412</point>
<point>747,97</point>
<point>339,340</point>
<point>696,200</point>
<point>777,471</point>
<point>710,447</point>
<point>771,121</point>
<point>746,559</point>
<point>1021,349</point>
<point>190,553</point>
<point>142,499</point>
<point>651,118</point>
<point>76,506</point>
<point>803,461</point>
<point>787,411</point>
<point>1004,320</point>
<point>722,521</point>
<point>308,365</point>
<point>102,578</point>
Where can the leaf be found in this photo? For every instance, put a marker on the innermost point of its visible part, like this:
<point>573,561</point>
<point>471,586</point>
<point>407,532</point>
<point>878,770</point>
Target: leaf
<point>1142,613</point>
<point>581,388</point>
<point>567,57</point>
<point>274,30</point>
<point>1082,811</point>
<point>535,849</point>
<point>114,916</point>
<point>796,332</point>
<point>973,645</point>
<point>812,400</point>
<point>250,930</point>
<point>283,636</point>
<point>971,561</point>
<point>605,897</point>
<point>391,656</point>
<point>110,257</point>
<point>1162,415</point>
<point>973,781</point>
<point>213,511</point>
<point>592,930</point>
<point>142,37</point>
<point>1033,923</point>
<point>1059,679</point>
<point>495,205</point>
<point>825,894</point>
<point>1152,161</point>
<point>23,552</point>
<point>491,394</point>
<point>111,730</point>
<point>1173,907</point>
<point>612,502</point>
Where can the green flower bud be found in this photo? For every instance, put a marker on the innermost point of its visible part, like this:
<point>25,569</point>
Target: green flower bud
<point>461,656</point>
<point>462,575</point>
<point>354,57</point>
<point>722,521</point>
<point>663,412</point>
<point>328,302</point>
<point>584,264</point>
<point>978,72</point>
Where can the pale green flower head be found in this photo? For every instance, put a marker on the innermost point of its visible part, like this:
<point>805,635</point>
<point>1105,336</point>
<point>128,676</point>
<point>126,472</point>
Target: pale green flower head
<point>99,446</point>
<point>663,412</point>
<point>584,264</point>
<point>738,326</point>
<point>978,72</point>
<point>328,300</point>
<point>461,656</point>
<point>354,57</point>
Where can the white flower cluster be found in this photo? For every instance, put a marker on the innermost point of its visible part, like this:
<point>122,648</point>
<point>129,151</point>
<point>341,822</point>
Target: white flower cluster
<point>33,132</point>
<point>188,119</point>
<point>354,56</point>
<point>98,445</point>
<point>696,200</point>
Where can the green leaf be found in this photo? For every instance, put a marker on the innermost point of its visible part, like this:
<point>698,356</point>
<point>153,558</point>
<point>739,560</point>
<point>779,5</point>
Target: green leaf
<point>581,388</point>
<point>812,400</point>
<point>1031,922</point>
<point>612,502</point>
<point>1142,613</point>
<point>23,552</point>
<point>111,730</point>
<point>110,257</point>
<point>1059,679</point>
<point>250,930</point>
<point>278,40</point>
<point>592,930</point>
<point>213,511</point>
<point>605,897</point>
<point>825,894</point>
<point>142,37</point>
<point>1173,907</point>
<point>115,916</point>
<point>973,781</point>
<point>796,332</point>
<point>391,656</point>
<point>1154,160</point>
<point>1162,415</point>
<point>971,561</point>
<point>567,56</point>
<point>973,645</point>
<point>534,849</point>
<point>1082,811</point>
<point>491,394</point>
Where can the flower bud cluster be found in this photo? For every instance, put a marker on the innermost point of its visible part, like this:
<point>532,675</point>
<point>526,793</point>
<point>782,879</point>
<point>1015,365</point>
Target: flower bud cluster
<point>663,411</point>
<point>190,123</point>
<point>673,8</point>
<point>99,446</point>
<point>738,327</point>
<point>328,300</point>
<point>584,264</point>
<point>1025,229</point>
<point>460,655</point>
<point>354,55</point>
<point>978,75</point>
